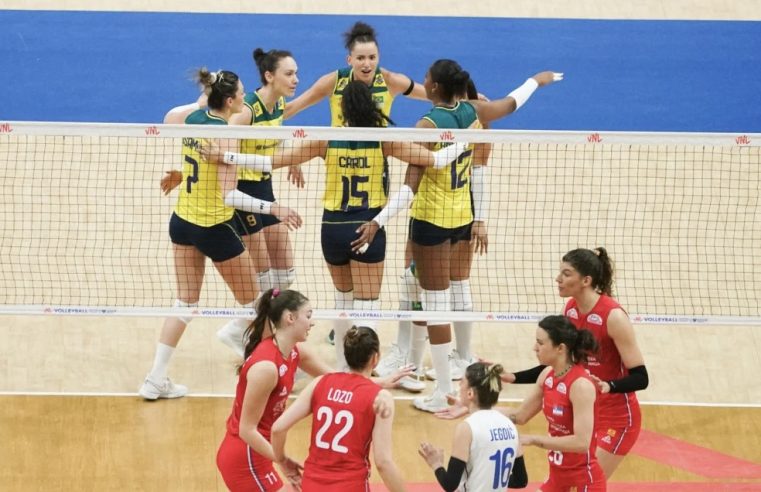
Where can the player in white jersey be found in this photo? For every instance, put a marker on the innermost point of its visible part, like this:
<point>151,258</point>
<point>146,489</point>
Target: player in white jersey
<point>486,452</point>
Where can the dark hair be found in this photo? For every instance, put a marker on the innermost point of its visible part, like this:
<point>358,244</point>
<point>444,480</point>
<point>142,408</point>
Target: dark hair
<point>450,76</point>
<point>220,85</point>
<point>596,264</point>
<point>470,90</point>
<point>270,309</point>
<point>269,61</point>
<point>359,109</point>
<point>359,33</point>
<point>580,343</point>
<point>486,381</point>
<point>360,343</point>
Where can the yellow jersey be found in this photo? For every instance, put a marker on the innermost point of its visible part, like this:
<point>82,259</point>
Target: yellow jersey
<point>201,201</point>
<point>379,90</point>
<point>356,176</point>
<point>443,197</point>
<point>260,117</point>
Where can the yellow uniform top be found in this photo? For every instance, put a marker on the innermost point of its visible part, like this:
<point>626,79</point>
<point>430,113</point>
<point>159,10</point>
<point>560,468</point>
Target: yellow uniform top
<point>201,201</point>
<point>260,117</point>
<point>356,176</point>
<point>379,90</point>
<point>443,198</point>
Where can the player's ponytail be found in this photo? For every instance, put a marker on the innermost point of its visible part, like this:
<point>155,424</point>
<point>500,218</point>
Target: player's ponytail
<point>218,85</point>
<point>268,61</point>
<point>595,264</point>
<point>359,33</point>
<point>358,108</point>
<point>606,271</point>
<point>486,382</point>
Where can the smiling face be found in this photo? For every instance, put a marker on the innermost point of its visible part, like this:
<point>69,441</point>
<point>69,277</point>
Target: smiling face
<point>301,322</point>
<point>284,80</point>
<point>364,60</point>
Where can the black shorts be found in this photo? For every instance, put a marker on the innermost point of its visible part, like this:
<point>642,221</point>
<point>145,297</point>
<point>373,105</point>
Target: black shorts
<point>339,229</point>
<point>219,242</point>
<point>427,234</point>
<point>251,223</point>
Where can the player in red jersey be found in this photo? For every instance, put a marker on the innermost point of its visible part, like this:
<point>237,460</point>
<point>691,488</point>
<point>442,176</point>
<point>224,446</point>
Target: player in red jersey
<point>565,393</point>
<point>344,423</point>
<point>273,352</point>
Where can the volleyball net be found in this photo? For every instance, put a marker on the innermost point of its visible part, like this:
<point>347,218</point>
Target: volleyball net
<point>85,225</point>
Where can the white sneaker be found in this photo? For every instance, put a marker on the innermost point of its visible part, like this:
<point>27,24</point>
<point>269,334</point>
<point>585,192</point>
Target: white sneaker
<point>434,402</point>
<point>414,383</point>
<point>151,390</point>
<point>231,334</point>
<point>457,367</point>
<point>391,362</point>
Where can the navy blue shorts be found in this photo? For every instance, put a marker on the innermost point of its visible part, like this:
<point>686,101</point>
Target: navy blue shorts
<point>427,234</point>
<point>248,222</point>
<point>339,229</point>
<point>219,242</point>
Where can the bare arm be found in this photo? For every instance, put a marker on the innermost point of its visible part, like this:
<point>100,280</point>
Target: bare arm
<point>493,110</point>
<point>399,84</point>
<point>292,415</point>
<point>319,91</point>
<point>261,379</point>
<point>303,152</point>
<point>531,405</point>
<point>382,449</point>
<point>582,395</point>
<point>311,363</point>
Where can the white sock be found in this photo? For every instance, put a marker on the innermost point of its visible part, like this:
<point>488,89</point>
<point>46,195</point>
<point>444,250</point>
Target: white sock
<point>463,330</point>
<point>161,362</point>
<point>343,302</point>
<point>440,359</point>
<point>404,336</point>
<point>462,334</point>
<point>366,305</point>
<point>417,346</point>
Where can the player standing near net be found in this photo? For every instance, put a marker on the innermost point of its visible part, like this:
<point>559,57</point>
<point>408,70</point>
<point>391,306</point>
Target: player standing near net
<point>486,453</point>
<point>201,227</point>
<point>442,214</point>
<point>266,238</point>
<point>618,368</point>
<point>565,393</point>
<point>344,423</point>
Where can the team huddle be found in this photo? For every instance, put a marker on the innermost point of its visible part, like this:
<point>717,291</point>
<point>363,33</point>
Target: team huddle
<point>590,365</point>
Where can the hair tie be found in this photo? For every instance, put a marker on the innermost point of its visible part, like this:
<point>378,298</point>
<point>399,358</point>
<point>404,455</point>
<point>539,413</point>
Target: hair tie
<point>275,292</point>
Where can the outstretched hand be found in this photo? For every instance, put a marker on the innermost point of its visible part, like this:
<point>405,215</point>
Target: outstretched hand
<point>170,181</point>
<point>546,78</point>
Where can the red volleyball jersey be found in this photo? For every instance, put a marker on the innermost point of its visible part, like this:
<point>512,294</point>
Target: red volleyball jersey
<point>612,409</point>
<point>565,467</point>
<point>286,369</point>
<point>342,428</point>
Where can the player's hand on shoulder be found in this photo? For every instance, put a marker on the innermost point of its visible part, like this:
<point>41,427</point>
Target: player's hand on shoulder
<point>383,405</point>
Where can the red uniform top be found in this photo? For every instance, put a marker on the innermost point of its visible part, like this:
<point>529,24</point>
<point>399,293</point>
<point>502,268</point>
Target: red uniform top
<point>286,370</point>
<point>566,467</point>
<point>612,409</point>
<point>342,429</point>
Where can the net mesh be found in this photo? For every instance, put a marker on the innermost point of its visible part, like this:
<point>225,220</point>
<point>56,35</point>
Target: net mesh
<point>85,224</point>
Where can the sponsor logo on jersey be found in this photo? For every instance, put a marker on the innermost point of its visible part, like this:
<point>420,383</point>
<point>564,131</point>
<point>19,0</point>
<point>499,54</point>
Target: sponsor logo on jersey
<point>342,84</point>
<point>562,389</point>
<point>284,391</point>
<point>258,110</point>
<point>379,80</point>
<point>557,410</point>
<point>294,354</point>
<point>606,439</point>
<point>548,382</point>
<point>572,313</point>
<point>595,319</point>
<point>282,370</point>
<point>612,432</point>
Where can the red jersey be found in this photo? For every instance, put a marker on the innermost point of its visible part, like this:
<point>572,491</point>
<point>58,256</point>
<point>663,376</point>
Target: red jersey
<point>612,409</point>
<point>571,469</point>
<point>286,369</point>
<point>342,428</point>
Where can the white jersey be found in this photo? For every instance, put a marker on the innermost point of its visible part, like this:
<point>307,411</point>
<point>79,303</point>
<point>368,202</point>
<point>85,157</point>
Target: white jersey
<point>492,452</point>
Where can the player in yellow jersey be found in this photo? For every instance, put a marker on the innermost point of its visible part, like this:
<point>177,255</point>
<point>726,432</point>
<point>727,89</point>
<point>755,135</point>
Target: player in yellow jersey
<point>442,214</point>
<point>201,226</point>
<point>363,60</point>
<point>355,192</point>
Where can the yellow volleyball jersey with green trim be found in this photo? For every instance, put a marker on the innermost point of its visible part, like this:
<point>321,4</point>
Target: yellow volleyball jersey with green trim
<point>443,197</point>
<point>260,117</point>
<point>356,176</point>
<point>379,90</point>
<point>201,201</point>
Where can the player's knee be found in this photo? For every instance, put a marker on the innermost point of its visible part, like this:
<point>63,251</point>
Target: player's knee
<point>436,300</point>
<point>182,304</point>
<point>282,279</point>
<point>462,300</point>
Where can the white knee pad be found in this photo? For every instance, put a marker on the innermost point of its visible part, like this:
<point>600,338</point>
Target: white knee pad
<point>437,300</point>
<point>343,300</point>
<point>461,297</point>
<point>409,291</point>
<point>282,279</point>
<point>264,280</point>
<point>181,304</point>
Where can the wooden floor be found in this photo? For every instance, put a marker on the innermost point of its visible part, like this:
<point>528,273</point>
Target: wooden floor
<point>58,439</point>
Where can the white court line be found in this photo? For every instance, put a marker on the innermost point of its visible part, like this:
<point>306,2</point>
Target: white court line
<point>397,397</point>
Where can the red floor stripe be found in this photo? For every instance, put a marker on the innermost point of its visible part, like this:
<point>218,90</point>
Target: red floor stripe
<point>694,459</point>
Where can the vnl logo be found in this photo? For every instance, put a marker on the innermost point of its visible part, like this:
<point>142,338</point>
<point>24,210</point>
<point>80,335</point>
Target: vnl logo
<point>742,140</point>
<point>300,133</point>
<point>152,131</point>
<point>447,136</point>
<point>6,128</point>
<point>594,138</point>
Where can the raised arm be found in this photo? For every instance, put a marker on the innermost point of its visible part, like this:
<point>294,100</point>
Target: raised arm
<point>319,91</point>
<point>401,84</point>
<point>499,108</point>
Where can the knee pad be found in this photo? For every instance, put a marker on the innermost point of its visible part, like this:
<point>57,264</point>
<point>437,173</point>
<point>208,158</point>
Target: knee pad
<point>282,279</point>
<point>436,300</point>
<point>181,304</point>
<point>264,280</point>
<point>461,297</point>
<point>343,300</point>
<point>408,287</point>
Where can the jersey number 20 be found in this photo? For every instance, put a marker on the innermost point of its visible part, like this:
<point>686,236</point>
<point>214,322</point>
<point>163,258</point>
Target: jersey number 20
<point>503,465</point>
<point>344,417</point>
